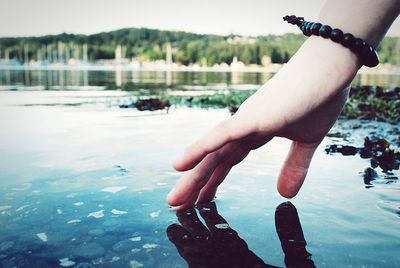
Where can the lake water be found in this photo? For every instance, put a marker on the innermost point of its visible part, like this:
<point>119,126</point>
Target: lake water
<point>70,79</point>
<point>83,184</point>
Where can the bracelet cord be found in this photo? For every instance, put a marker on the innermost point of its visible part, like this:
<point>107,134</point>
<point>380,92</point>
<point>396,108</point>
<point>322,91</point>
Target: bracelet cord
<point>365,52</point>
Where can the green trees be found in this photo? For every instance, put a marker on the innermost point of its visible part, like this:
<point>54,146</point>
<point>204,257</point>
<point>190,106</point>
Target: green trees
<point>389,51</point>
<point>150,44</point>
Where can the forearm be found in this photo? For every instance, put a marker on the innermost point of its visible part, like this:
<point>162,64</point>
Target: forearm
<point>366,19</point>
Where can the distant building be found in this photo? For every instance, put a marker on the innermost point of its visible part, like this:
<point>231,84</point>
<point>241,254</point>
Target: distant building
<point>169,54</point>
<point>236,65</point>
<point>118,55</point>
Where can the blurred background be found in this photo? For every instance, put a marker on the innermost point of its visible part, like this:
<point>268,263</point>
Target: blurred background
<point>159,35</point>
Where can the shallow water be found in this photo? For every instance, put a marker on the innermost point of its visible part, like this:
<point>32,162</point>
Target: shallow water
<point>83,184</point>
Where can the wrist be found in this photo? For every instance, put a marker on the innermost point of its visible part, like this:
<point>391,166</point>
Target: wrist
<point>328,66</point>
<point>324,54</point>
<point>320,70</point>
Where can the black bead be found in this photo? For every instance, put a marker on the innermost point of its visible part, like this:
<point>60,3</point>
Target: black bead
<point>348,40</point>
<point>308,28</point>
<point>337,35</point>
<point>365,50</point>
<point>304,27</point>
<point>325,31</point>
<point>368,56</point>
<point>315,28</point>
<point>357,45</point>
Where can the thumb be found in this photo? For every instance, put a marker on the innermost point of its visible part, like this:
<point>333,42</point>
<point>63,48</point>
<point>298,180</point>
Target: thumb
<point>295,168</point>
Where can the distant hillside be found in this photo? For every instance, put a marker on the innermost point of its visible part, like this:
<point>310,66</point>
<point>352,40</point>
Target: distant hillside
<point>148,44</point>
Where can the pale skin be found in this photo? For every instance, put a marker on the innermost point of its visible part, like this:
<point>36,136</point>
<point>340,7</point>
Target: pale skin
<point>301,103</point>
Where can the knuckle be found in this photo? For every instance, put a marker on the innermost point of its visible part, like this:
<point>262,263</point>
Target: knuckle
<point>198,179</point>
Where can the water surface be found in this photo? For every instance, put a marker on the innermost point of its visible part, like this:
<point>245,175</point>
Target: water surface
<point>83,184</point>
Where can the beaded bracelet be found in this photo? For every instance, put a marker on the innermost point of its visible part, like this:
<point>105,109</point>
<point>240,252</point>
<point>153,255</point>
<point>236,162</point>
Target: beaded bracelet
<point>365,52</point>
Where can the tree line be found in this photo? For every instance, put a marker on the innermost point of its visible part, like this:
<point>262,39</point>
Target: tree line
<point>187,48</point>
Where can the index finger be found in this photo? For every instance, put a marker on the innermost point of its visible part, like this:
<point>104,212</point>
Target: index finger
<point>213,140</point>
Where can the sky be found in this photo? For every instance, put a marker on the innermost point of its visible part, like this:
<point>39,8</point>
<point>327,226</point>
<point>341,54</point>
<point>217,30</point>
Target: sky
<point>249,18</point>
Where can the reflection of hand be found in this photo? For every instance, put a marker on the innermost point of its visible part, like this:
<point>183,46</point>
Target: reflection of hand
<point>220,245</point>
<point>217,246</point>
<point>301,103</point>
<point>291,235</point>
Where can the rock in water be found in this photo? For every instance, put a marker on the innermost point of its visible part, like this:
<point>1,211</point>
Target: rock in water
<point>369,175</point>
<point>84,265</point>
<point>65,262</point>
<point>42,236</point>
<point>348,150</point>
<point>124,245</point>
<point>152,104</point>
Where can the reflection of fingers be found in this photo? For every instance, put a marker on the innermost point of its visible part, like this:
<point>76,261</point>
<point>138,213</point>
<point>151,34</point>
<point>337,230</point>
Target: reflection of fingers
<point>291,235</point>
<point>191,222</point>
<point>178,235</point>
<point>295,168</point>
<point>214,221</point>
<point>223,133</point>
<point>207,193</point>
<point>189,186</point>
<point>288,227</point>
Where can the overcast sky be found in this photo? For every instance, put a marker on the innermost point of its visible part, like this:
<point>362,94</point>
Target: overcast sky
<point>250,17</point>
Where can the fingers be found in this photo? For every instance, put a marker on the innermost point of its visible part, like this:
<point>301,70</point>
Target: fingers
<point>225,132</point>
<point>295,168</point>
<point>207,193</point>
<point>188,187</point>
<point>188,203</point>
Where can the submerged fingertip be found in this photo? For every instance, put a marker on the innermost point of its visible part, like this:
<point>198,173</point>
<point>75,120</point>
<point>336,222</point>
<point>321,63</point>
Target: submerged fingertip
<point>173,203</point>
<point>175,199</point>
<point>171,199</point>
<point>206,196</point>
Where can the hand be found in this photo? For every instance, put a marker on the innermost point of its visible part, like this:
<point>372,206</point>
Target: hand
<point>301,103</point>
